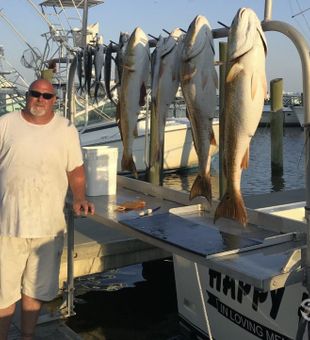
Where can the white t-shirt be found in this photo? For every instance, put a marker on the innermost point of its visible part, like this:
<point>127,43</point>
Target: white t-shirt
<point>34,160</point>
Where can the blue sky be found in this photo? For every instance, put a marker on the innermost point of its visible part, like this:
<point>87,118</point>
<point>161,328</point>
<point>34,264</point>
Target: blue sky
<point>152,16</point>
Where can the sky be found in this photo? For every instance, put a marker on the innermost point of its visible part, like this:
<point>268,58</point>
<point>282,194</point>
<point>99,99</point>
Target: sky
<point>153,16</point>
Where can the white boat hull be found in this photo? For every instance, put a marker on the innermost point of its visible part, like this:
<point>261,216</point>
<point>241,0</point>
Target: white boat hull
<point>289,117</point>
<point>235,310</point>
<point>179,148</point>
<point>300,114</point>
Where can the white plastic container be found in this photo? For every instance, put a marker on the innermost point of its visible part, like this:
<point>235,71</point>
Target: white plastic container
<point>101,170</point>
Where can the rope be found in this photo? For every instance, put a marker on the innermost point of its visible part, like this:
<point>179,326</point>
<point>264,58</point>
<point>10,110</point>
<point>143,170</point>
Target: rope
<point>203,302</point>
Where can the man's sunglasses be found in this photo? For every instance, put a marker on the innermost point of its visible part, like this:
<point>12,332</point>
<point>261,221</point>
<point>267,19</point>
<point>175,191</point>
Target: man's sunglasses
<point>37,94</point>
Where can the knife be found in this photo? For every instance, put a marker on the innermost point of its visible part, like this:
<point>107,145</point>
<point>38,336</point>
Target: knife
<point>148,211</point>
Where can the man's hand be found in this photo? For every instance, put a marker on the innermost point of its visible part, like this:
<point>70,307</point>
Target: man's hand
<point>76,180</point>
<point>83,207</point>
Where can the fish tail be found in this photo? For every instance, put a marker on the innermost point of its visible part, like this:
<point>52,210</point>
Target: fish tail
<point>201,187</point>
<point>129,165</point>
<point>96,92</point>
<point>246,159</point>
<point>212,138</point>
<point>232,206</point>
<point>88,89</point>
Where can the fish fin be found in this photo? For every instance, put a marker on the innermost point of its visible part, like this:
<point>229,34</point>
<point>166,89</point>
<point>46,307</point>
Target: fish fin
<point>233,72</point>
<point>232,206</point>
<point>212,138</point>
<point>201,187</point>
<point>245,160</point>
<point>142,94</point>
<point>215,79</point>
<point>129,165</point>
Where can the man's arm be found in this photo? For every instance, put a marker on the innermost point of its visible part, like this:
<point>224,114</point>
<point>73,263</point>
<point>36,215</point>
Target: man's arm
<point>76,180</point>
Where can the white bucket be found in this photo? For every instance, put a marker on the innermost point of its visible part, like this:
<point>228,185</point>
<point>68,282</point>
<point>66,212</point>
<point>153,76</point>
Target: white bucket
<point>101,170</point>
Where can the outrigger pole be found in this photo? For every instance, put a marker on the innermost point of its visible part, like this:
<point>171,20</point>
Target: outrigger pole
<point>19,34</point>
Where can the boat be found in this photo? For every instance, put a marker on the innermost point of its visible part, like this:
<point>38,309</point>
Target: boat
<point>289,116</point>
<point>12,86</point>
<point>179,151</point>
<point>252,290</point>
<point>300,113</point>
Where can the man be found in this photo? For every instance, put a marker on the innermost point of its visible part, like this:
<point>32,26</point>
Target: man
<point>40,155</point>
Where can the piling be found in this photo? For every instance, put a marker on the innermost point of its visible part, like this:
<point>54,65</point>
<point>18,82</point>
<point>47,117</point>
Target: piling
<point>222,75</point>
<point>155,169</point>
<point>276,126</point>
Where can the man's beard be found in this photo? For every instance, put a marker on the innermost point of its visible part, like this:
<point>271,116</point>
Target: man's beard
<point>38,111</point>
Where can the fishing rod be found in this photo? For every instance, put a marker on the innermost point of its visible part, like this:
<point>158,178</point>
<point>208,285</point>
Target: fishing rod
<point>18,33</point>
<point>301,12</point>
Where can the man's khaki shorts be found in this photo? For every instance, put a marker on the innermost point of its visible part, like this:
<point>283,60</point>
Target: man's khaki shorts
<point>29,266</point>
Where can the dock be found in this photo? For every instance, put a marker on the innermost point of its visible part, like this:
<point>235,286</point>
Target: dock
<point>103,242</point>
<point>99,248</point>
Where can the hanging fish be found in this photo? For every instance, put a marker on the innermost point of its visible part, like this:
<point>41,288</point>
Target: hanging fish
<point>166,60</point>
<point>135,74</point>
<point>199,82</point>
<point>107,71</point>
<point>122,45</point>
<point>88,66</point>
<point>98,63</point>
<point>79,68</point>
<point>245,90</point>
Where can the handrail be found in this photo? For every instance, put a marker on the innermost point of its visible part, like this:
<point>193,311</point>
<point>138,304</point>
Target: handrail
<point>303,50</point>
<point>69,288</point>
